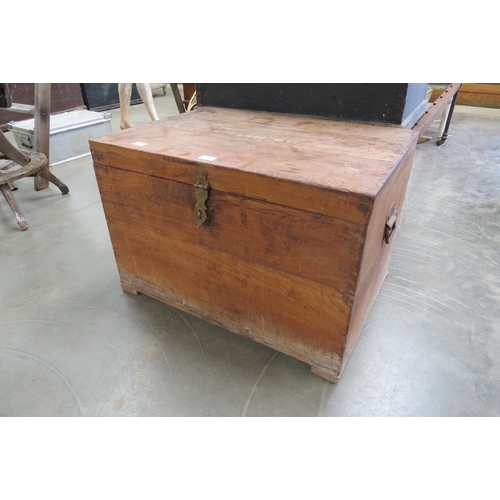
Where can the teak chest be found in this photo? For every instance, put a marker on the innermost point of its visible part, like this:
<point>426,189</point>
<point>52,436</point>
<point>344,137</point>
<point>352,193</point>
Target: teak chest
<point>276,227</point>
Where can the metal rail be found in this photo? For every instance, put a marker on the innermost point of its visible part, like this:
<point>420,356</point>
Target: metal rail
<point>447,99</point>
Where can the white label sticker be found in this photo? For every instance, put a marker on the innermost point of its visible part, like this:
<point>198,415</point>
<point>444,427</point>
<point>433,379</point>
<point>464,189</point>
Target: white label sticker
<point>138,143</point>
<point>206,157</point>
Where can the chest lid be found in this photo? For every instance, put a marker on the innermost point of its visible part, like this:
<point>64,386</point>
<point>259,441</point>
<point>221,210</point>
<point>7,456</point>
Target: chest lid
<point>321,166</point>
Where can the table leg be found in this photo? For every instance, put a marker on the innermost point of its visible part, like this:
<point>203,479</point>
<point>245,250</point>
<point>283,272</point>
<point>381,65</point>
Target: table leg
<point>444,135</point>
<point>9,197</point>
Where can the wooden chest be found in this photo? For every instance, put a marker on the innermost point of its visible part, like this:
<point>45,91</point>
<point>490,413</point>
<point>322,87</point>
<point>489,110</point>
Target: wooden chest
<point>276,227</point>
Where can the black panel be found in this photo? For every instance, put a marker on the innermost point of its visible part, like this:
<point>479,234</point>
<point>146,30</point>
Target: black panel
<point>369,102</point>
<point>101,96</point>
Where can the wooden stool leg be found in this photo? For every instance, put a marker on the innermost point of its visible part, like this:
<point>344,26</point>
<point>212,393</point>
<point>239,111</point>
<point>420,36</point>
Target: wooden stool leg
<point>42,127</point>
<point>45,173</point>
<point>14,206</point>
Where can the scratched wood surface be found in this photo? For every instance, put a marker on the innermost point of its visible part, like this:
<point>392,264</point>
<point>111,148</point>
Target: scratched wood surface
<point>376,253</point>
<point>292,254</point>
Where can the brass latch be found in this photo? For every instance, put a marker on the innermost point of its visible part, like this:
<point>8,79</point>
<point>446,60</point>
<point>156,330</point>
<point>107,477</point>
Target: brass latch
<point>390,224</point>
<point>201,187</point>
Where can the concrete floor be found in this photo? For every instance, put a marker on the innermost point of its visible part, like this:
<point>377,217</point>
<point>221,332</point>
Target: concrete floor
<point>72,343</point>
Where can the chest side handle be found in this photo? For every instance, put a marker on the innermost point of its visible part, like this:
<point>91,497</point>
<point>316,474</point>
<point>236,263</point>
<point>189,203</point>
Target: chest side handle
<point>390,224</point>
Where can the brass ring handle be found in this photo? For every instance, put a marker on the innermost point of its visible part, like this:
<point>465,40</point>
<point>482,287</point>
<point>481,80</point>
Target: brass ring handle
<point>390,224</point>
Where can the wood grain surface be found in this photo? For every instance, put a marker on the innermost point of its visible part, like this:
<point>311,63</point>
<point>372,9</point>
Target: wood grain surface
<point>376,253</point>
<point>289,160</point>
<point>292,254</point>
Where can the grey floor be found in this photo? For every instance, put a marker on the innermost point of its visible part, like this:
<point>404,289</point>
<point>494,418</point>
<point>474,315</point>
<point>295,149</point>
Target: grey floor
<point>73,344</point>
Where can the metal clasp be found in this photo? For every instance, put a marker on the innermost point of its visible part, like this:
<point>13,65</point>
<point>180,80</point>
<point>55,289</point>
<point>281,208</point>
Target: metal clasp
<point>201,187</point>
<point>390,224</point>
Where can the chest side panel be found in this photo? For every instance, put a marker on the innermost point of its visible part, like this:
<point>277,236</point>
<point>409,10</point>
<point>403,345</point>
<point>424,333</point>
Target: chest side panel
<point>300,243</point>
<point>275,274</point>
